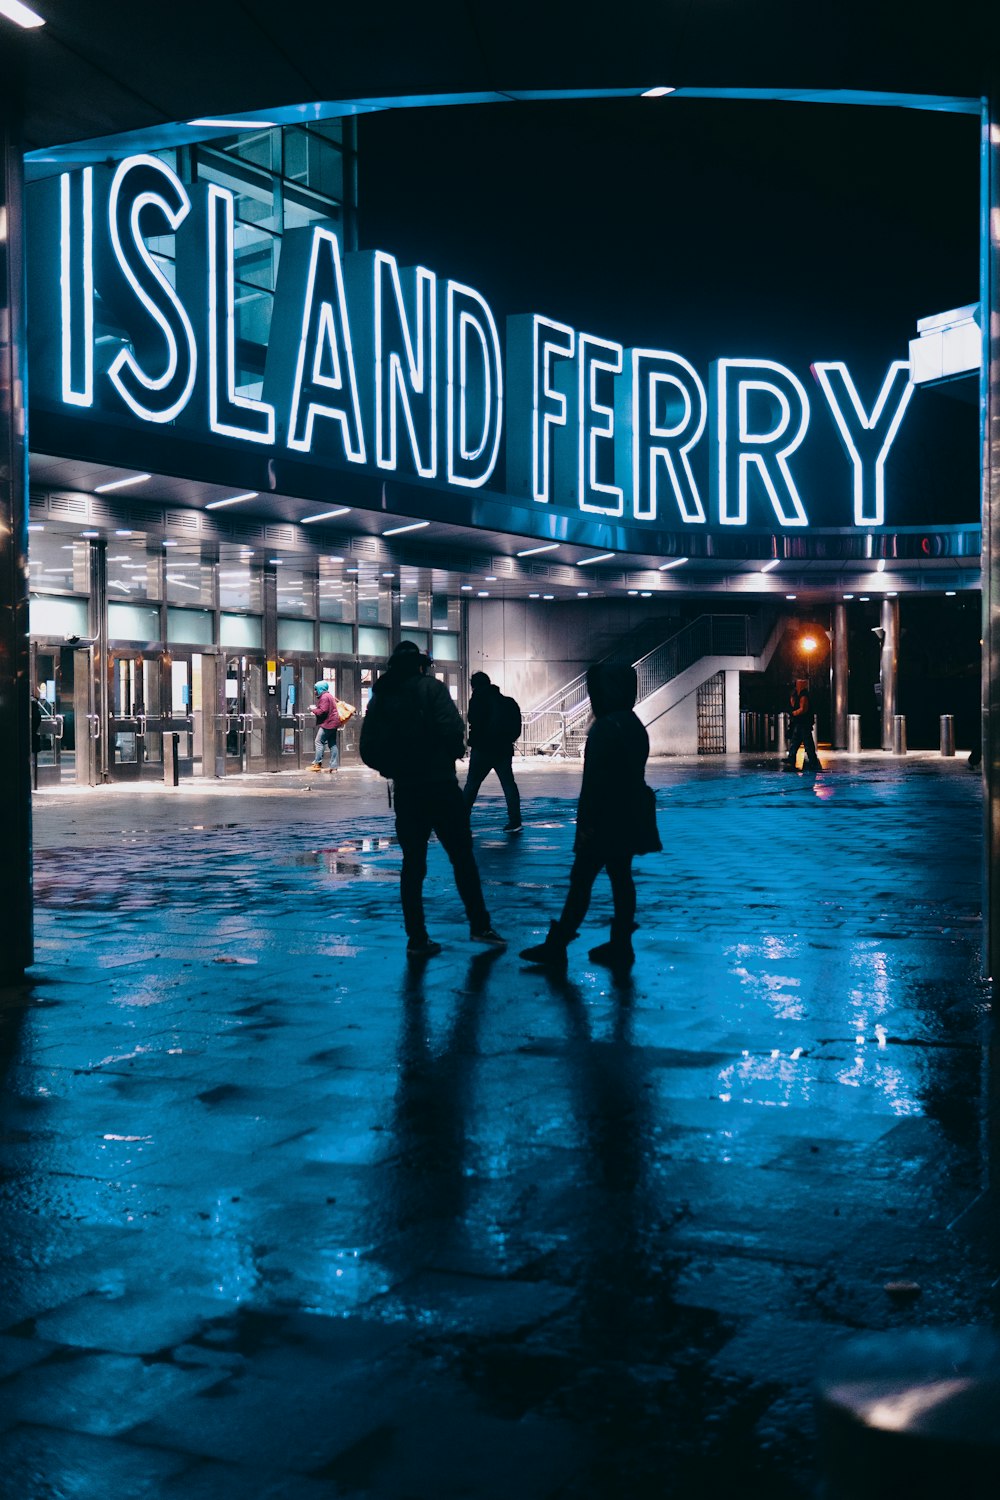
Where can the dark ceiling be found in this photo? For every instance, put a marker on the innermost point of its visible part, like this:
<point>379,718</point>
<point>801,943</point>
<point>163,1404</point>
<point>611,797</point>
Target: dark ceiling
<point>110,65</point>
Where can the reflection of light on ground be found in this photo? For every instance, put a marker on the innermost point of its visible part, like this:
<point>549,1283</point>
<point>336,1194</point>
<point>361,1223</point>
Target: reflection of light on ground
<point>773,1081</point>
<point>777,991</point>
<point>896,1413</point>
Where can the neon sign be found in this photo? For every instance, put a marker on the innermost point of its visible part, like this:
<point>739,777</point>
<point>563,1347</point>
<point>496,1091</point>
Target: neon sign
<point>395,370</point>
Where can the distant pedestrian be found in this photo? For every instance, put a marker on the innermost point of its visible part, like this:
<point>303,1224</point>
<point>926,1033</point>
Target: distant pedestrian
<point>326,710</point>
<point>801,720</point>
<point>615,820</point>
<point>413,734</point>
<point>494,727</point>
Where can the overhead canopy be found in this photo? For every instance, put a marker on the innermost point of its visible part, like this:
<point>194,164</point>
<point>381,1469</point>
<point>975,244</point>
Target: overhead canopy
<point>113,65</point>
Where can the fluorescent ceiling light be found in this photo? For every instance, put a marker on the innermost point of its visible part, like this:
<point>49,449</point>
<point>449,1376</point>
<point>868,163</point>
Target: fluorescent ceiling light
<point>582,594</point>
<point>769,565</point>
<point>791,596</point>
<point>36,526</point>
<point>675,563</point>
<point>119,484</point>
<point>20,14</point>
<point>533,551</point>
<point>398,530</point>
<point>601,557</point>
<point>325,515</point>
<point>880,565</point>
<point>214,124</point>
<point>232,500</point>
<point>658,92</point>
<point>169,544</point>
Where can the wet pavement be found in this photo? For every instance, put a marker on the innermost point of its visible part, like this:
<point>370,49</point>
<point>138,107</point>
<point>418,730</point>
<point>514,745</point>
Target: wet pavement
<point>283,1215</point>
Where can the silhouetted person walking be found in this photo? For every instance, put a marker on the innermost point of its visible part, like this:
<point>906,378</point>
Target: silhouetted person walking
<point>413,734</point>
<point>801,719</point>
<point>615,820</point>
<point>494,726</point>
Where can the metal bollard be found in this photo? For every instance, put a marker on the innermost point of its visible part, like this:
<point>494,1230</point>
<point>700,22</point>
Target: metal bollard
<point>782,745</point>
<point>899,734</point>
<point>171,759</point>
<point>947,734</point>
<point>854,734</point>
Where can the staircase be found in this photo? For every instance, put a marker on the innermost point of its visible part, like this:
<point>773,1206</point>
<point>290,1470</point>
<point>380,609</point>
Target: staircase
<point>558,724</point>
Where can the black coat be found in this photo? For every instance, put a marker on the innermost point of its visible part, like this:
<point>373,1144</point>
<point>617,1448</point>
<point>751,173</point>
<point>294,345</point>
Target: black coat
<point>609,816</point>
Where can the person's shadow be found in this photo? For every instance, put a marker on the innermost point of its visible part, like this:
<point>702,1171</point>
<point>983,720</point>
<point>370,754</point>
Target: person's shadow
<point>426,1189</point>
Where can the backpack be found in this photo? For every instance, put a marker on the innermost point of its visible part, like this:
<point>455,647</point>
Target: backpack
<point>394,732</point>
<point>506,721</point>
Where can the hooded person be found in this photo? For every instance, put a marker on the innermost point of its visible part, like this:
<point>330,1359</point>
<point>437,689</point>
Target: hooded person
<point>494,726</point>
<point>327,718</point>
<point>413,734</point>
<point>615,820</point>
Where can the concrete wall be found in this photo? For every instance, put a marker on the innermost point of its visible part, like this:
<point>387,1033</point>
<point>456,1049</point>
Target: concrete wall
<point>671,713</point>
<point>531,648</point>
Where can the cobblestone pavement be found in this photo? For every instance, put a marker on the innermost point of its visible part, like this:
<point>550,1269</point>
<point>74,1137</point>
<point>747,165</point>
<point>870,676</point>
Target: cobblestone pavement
<point>284,1216</point>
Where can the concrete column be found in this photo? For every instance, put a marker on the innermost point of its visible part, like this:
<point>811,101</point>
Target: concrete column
<point>990,392</point>
<point>98,572</point>
<point>732,690</point>
<point>887,667</point>
<point>838,728</point>
<point>272,729</point>
<point>16,937</point>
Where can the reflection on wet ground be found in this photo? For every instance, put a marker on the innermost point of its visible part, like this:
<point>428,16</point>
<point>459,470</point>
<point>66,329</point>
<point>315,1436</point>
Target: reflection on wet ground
<point>283,1215</point>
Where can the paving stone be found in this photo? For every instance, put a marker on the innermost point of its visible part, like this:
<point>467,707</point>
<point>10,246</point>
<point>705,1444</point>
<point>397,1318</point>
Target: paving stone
<point>284,1216</point>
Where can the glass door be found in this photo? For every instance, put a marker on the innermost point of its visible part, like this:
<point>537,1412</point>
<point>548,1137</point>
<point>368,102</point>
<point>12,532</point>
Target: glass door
<point>183,717</point>
<point>243,713</point>
<point>294,719</point>
<point>343,678</point>
<point>136,719</point>
<point>63,722</point>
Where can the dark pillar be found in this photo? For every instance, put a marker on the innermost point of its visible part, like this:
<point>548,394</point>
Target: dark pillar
<point>16,944</point>
<point>838,728</point>
<point>272,729</point>
<point>887,668</point>
<point>990,293</point>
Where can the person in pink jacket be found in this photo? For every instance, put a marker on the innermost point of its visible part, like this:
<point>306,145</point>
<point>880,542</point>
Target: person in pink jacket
<point>327,724</point>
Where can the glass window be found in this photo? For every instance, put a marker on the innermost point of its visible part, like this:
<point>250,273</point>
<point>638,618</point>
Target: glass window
<point>133,622</point>
<point>241,630</point>
<point>301,209</point>
<point>262,148</point>
<point>239,581</point>
<point>296,592</point>
<point>58,564</point>
<point>444,647</point>
<point>295,635</point>
<point>336,640</point>
<point>444,613</point>
<point>188,580</point>
<point>336,592</point>
<point>315,162</point>
<point>253,323</point>
<point>58,617</point>
<point>418,637</point>
<point>190,627</point>
<point>133,570</point>
<point>256,200</point>
<point>373,640</point>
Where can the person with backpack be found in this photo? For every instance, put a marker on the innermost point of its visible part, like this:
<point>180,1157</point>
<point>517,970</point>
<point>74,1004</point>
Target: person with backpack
<point>326,711</point>
<point>615,820</point>
<point>413,734</point>
<point>494,726</point>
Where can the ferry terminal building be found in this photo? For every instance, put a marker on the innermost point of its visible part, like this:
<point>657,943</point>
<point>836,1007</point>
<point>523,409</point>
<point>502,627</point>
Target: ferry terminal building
<point>265,446</point>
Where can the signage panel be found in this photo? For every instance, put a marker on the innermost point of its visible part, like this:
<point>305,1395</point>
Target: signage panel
<point>388,370</point>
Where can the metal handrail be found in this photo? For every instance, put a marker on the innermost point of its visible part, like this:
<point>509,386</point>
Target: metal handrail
<point>552,721</point>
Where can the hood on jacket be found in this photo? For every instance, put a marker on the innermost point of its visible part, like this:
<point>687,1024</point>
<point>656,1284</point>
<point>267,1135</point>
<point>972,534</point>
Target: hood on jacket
<point>611,687</point>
